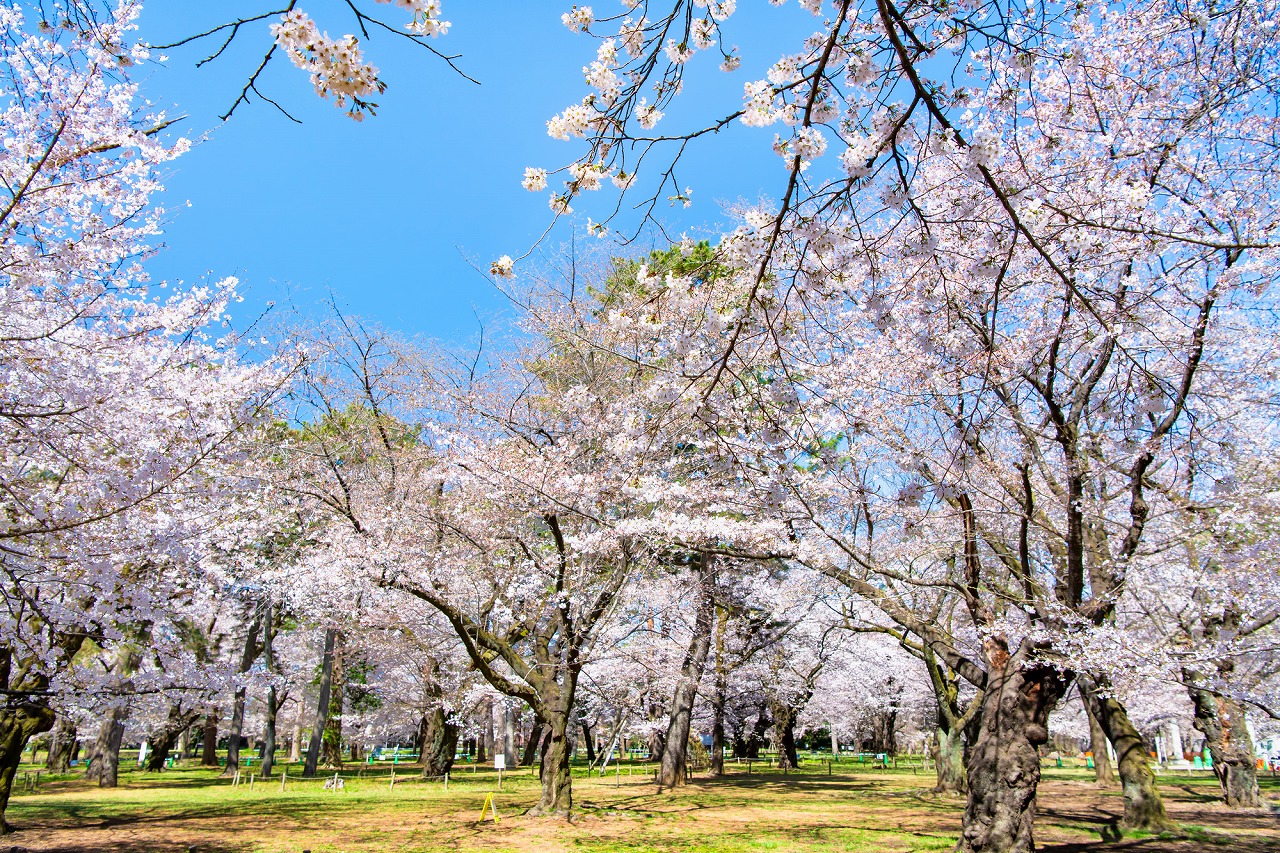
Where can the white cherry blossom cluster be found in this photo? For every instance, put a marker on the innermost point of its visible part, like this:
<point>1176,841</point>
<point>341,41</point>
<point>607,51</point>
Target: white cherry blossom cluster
<point>336,66</point>
<point>576,120</point>
<point>601,75</point>
<point>426,17</point>
<point>578,19</point>
<point>535,179</point>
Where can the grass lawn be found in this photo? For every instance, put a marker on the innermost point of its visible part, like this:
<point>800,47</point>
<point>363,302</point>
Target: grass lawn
<point>853,809</point>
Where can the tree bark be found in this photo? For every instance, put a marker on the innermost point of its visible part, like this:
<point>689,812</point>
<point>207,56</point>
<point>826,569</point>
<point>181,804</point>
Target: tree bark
<point>1004,764</point>
<point>160,742</point>
<point>439,743</point>
<point>61,743</point>
<point>104,767</point>
<point>247,657</point>
<point>1143,807</point>
<point>331,746</point>
<point>273,698</point>
<point>18,725</point>
<point>589,739</point>
<point>209,749</point>
<point>508,731</point>
<point>675,746</point>
<point>784,721</point>
<point>948,761</point>
<point>484,741</point>
<point>953,724</point>
<point>322,704</point>
<point>1102,771</point>
<point>1222,722</point>
<point>884,732</point>
<point>749,746</point>
<point>295,740</point>
<point>556,799</point>
<point>719,697</point>
<point>533,747</point>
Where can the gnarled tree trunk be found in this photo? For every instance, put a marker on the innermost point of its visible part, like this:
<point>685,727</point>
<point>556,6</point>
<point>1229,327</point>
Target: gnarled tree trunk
<point>1004,764</point>
<point>439,743</point>
<point>160,743</point>
<point>784,723</point>
<point>18,724</point>
<point>554,771</point>
<point>104,766</point>
<point>1222,722</point>
<point>1143,807</point>
<point>60,745</point>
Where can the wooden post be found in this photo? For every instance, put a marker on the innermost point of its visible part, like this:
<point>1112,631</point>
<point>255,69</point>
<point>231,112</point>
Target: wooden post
<point>393,779</point>
<point>446,783</point>
<point>283,775</point>
<point>251,775</point>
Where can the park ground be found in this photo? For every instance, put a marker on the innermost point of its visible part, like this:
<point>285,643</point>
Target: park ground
<point>820,809</point>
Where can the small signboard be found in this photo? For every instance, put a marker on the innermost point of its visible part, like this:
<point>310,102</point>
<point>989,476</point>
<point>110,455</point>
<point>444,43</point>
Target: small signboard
<point>500,761</point>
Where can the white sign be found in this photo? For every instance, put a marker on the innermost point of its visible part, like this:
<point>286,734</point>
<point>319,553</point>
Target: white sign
<point>500,762</point>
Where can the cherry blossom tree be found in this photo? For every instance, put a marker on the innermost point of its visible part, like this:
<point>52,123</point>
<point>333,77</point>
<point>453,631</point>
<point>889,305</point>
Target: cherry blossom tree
<point>998,320</point>
<point>122,403</point>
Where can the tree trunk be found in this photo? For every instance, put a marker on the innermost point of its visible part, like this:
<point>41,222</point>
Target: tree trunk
<point>104,767</point>
<point>247,657</point>
<point>554,771</point>
<point>273,699</point>
<point>295,740</point>
<point>1143,808</point>
<point>955,727</point>
<point>60,745</point>
<point>534,745</point>
<point>1102,772</point>
<point>209,749</point>
<point>948,760</point>
<point>1222,722</point>
<point>322,705</point>
<point>784,718</point>
<point>508,732</point>
<point>331,746</point>
<point>884,727</point>
<point>589,740</point>
<point>484,741</point>
<point>675,745</point>
<point>749,747</point>
<point>1004,764</point>
<point>18,724</point>
<point>719,697</point>
<point>439,743</point>
<point>160,743</point>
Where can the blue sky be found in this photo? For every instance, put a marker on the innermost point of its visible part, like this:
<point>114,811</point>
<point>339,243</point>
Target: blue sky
<point>388,214</point>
